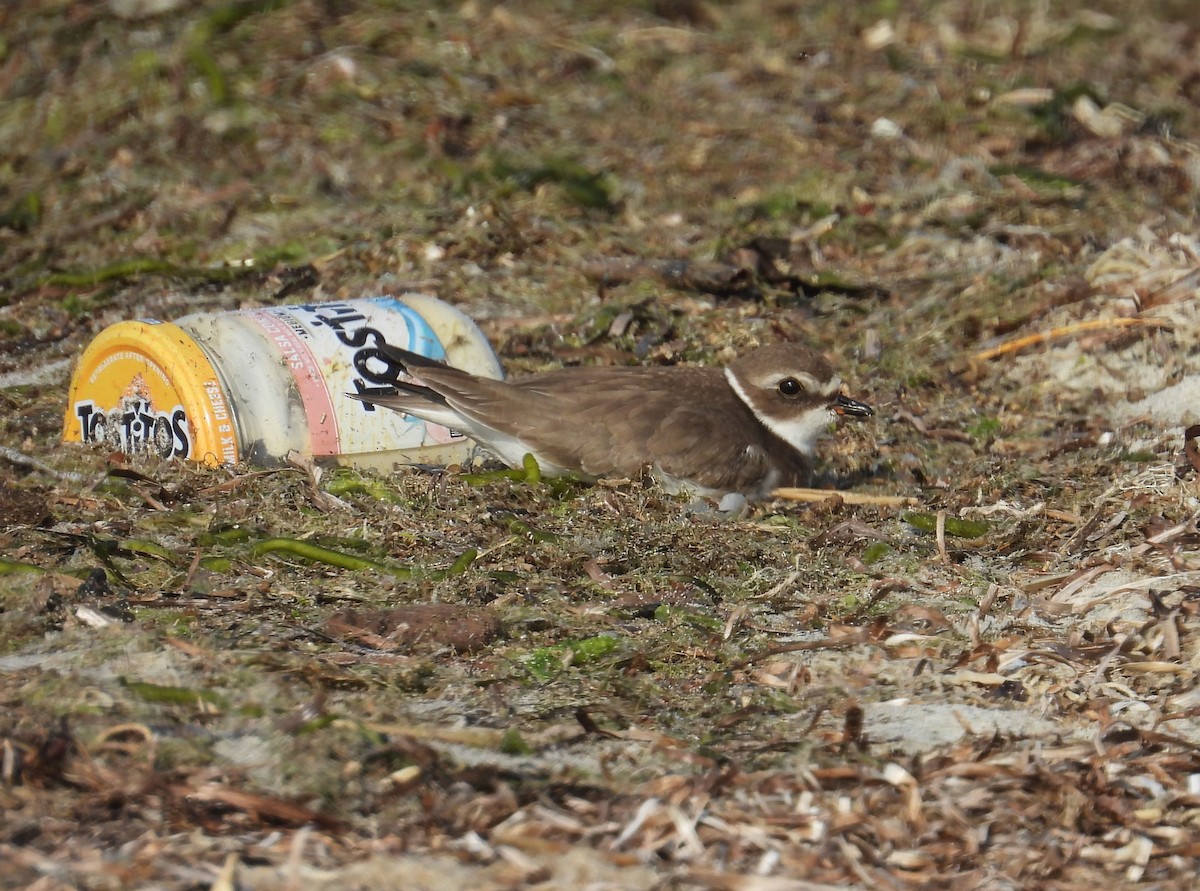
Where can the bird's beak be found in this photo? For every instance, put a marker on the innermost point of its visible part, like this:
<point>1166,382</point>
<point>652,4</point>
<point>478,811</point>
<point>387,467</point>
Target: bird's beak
<point>844,405</point>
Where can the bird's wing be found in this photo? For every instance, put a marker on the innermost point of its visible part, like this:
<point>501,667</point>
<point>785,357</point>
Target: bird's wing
<point>626,421</point>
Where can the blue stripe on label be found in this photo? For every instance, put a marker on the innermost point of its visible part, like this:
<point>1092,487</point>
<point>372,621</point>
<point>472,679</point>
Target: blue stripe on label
<point>421,337</point>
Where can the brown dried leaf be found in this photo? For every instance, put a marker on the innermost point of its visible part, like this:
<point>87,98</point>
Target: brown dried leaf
<point>461,628</point>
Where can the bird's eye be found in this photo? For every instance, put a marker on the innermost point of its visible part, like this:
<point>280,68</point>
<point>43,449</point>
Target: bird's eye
<point>789,386</point>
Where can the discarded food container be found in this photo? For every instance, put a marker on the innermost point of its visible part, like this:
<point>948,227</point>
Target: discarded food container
<point>254,384</point>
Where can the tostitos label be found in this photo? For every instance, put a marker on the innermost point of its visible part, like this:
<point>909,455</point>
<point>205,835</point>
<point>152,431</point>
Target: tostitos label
<point>145,387</point>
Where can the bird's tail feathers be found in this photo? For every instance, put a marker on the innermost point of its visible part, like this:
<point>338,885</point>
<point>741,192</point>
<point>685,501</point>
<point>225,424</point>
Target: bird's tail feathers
<point>402,393</point>
<point>407,358</point>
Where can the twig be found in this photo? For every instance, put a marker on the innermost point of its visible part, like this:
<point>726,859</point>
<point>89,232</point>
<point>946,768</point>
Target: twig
<point>1067,331</point>
<point>830,643</point>
<point>793,494</point>
<point>22,460</point>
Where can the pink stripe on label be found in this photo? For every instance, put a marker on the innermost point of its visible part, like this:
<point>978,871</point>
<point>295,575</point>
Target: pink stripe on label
<point>306,371</point>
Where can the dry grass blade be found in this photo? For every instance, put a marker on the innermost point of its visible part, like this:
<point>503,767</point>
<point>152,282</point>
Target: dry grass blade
<point>1060,333</point>
<point>836,643</point>
<point>263,806</point>
<point>717,881</point>
<point>819,495</point>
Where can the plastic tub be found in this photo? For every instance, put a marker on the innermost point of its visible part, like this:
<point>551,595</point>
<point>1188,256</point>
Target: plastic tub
<point>253,385</point>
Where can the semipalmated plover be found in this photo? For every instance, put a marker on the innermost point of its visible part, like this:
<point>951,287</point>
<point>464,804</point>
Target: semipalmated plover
<point>748,428</point>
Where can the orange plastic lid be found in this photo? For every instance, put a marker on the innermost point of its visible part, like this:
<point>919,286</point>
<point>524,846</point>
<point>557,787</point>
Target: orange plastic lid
<point>146,386</point>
